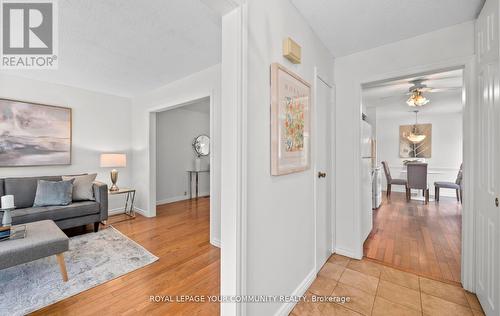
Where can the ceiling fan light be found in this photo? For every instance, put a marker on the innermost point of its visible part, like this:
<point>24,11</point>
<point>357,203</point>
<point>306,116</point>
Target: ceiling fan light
<point>411,102</point>
<point>417,99</point>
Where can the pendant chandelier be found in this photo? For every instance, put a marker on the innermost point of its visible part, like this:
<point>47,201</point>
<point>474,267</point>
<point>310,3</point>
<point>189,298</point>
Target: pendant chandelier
<point>417,99</point>
<point>414,136</point>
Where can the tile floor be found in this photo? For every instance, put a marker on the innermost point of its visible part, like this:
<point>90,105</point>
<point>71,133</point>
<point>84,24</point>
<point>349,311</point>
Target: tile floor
<point>375,289</point>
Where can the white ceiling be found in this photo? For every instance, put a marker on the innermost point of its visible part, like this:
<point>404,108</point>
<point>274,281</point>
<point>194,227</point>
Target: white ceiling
<point>389,97</point>
<point>349,26</point>
<point>129,47</point>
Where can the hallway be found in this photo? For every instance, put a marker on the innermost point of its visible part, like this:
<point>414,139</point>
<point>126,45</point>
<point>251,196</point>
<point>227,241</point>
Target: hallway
<point>375,289</point>
<point>423,239</point>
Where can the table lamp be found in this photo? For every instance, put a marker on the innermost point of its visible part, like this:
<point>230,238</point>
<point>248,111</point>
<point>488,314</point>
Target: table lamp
<point>113,161</point>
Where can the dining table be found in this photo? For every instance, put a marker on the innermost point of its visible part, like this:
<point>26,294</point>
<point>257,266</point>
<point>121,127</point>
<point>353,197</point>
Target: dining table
<point>428,171</point>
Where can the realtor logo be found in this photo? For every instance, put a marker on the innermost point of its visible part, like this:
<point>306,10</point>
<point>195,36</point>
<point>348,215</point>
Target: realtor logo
<point>28,34</point>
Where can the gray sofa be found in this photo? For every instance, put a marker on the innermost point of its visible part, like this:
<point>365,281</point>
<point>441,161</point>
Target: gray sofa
<point>73,215</point>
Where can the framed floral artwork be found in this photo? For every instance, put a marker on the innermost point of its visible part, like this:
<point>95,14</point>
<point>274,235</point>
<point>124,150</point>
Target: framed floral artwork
<point>290,122</point>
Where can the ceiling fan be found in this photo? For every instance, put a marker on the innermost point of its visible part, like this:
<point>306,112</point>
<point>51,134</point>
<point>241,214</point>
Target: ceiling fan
<point>418,84</point>
<point>416,92</point>
<point>416,97</point>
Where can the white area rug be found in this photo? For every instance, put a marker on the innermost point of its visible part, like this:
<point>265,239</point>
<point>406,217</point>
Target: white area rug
<point>92,259</point>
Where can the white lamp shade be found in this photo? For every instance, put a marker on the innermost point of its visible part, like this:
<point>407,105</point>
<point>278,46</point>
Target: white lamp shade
<point>113,160</point>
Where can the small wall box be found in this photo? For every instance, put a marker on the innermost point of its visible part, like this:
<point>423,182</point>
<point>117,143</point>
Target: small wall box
<point>292,51</point>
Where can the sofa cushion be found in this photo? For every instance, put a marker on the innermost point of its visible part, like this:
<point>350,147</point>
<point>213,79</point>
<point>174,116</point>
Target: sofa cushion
<point>32,214</point>
<point>24,189</point>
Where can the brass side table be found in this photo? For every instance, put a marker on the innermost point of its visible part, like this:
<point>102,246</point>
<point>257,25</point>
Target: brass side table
<point>129,202</point>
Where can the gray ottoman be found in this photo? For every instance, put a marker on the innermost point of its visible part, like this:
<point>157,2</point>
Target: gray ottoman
<point>43,239</point>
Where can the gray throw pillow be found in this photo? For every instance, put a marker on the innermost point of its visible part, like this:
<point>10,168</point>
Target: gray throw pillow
<point>82,187</point>
<point>53,193</point>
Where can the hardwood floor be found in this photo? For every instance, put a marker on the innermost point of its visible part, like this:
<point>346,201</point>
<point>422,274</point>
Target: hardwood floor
<point>423,239</point>
<point>188,265</point>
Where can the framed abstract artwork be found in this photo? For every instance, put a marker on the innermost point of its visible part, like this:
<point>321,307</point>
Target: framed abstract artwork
<point>34,134</point>
<point>290,122</point>
<point>409,148</point>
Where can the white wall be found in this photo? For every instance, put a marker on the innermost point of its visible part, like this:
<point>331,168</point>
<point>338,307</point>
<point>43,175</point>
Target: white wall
<point>176,130</point>
<point>196,86</point>
<point>101,123</point>
<point>280,219</point>
<point>446,155</point>
<point>450,46</point>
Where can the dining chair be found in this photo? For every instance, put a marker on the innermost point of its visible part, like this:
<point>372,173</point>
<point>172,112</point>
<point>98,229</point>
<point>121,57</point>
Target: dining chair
<point>390,180</point>
<point>457,186</point>
<point>417,179</point>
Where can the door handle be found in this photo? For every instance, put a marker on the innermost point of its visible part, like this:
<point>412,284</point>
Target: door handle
<point>496,202</point>
<point>321,174</point>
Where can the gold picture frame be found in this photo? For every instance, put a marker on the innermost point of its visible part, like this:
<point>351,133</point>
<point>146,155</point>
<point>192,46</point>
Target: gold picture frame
<point>290,122</point>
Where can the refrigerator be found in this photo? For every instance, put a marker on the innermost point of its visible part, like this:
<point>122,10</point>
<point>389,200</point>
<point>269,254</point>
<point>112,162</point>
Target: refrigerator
<point>366,179</point>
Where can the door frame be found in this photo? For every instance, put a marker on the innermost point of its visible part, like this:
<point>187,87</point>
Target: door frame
<point>234,152</point>
<point>469,164</point>
<point>317,79</point>
<point>153,154</point>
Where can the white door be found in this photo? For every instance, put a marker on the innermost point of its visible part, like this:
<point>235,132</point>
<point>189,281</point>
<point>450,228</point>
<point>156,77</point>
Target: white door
<point>322,173</point>
<point>488,169</point>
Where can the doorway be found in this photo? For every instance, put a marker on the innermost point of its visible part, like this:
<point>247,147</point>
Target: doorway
<point>415,120</point>
<point>178,173</point>
<point>183,153</point>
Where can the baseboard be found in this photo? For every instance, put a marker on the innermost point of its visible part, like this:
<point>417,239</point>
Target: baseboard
<point>179,198</point>
<point>141,211</point>
<point>116,211</point>
<point>215,242</point>
<point>286,308</point>
<point>347,253</point>
<point>119,210</point>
